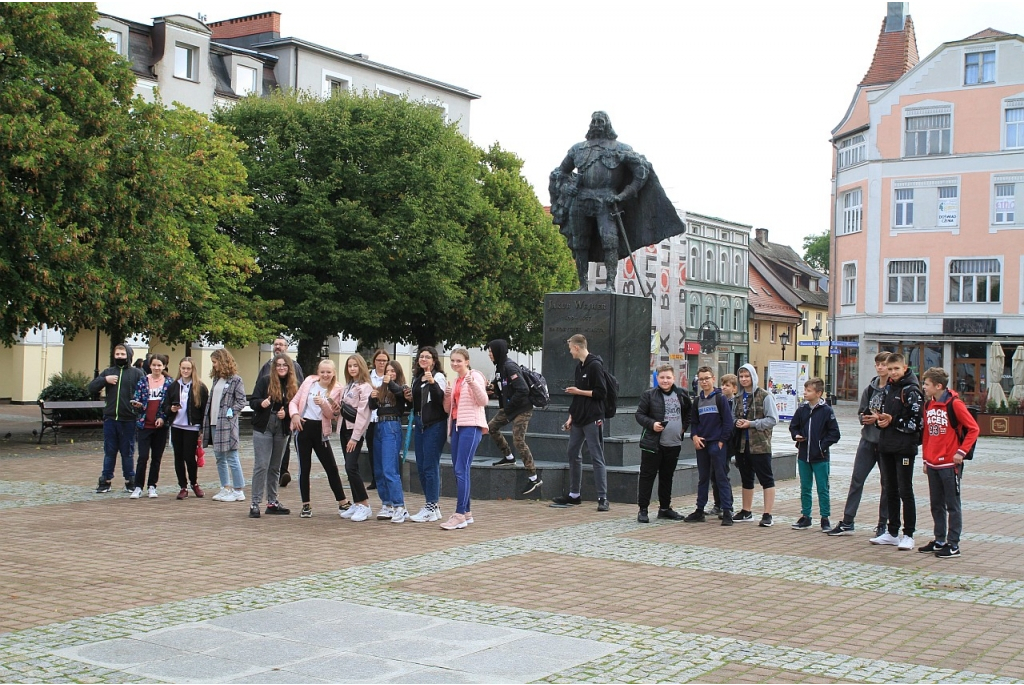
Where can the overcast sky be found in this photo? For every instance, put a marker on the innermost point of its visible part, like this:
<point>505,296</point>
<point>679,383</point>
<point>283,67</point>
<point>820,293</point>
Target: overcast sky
<point>732,102</point>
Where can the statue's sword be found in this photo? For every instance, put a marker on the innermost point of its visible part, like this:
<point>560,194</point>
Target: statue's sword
<point>617,213</point>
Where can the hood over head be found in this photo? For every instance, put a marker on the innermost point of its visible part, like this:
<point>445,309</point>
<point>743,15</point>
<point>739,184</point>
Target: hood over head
<point>499,348</point>
<point>753,377</point>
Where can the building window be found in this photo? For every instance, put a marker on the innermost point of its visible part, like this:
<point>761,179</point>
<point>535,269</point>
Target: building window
<point>709,314</point>
<point>115,38</point>
<point>1015,127</point>
<point>738,270</point>
<point>949,206</point>
<point>757,332</point>
<point>771,332</point>
<point>709,265</point>
<point>803,323</point>
<point>852,206</point>
<point>904,207</point>
<point>849,284</point>
<point>723,314</point>
<point>246,79</point>
<point>723,268</point>
<point>185,62</point>
<point>694,263</point>
<point>980,67</point>
<point>737,319</point>
<point>1006,203</point>
<point>851,151</point>
<point>974,280</point>
<point>908,281</point>
<point>928,135</point>
<point>694,315</point>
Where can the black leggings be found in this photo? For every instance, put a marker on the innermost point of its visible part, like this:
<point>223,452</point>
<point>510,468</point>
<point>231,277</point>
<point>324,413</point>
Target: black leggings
<point>898,481</point>
<point>355,481</point>
<point>151,441</point>
<point>311,440</point>
<point>184,443</point>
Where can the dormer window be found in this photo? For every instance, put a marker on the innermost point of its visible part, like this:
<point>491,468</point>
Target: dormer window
<point>246,80</point>
<point>980,67</point>
<point>185,62</point>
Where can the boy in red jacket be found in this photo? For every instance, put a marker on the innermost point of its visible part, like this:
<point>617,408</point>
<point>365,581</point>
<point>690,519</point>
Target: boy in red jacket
<point>944,450</point>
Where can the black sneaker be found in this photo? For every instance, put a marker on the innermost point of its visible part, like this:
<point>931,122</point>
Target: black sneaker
<point>307,512</point>
<point>826,526</point>
<point>533,485</point>
<point>102,486</point>
<point>948,552</point>
<point>726,518</point>
<point>129,486</point>
<point>254,511</point>
<point>642,517</point>
<point>698,516</point>
<point>507,460</point>
<point>841,528</point>
<point>670,514</point>
<point>563,501</point>
<point>933,547</point>
<point>284,479</point>
<point>803,523</point>
<point>716,510</point>
<point>766,521</point>
<point>276,508</point>
<point>602,504</point>
<point>880,528</point>
<point>372,486</point>
<point>743,515</point>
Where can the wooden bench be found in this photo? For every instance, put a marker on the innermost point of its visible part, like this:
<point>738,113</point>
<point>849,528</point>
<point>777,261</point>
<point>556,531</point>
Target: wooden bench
<point>52,416</point>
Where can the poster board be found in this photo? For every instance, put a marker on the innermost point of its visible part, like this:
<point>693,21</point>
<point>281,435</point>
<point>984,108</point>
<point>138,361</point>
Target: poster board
<point>786,382</point>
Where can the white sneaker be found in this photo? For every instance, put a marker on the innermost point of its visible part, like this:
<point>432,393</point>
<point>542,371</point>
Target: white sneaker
<point>906,543</point>
<point>385,512</point>
<point>436,512</point>
<point>885,539</point>
<point>136,493</point>
<point>152,492</point>
<point>225,495</point>
<point>348,513</point>
<point>361,513</point>
<point>423,516</point>
<point>399,515</point>
<point>469,518</point>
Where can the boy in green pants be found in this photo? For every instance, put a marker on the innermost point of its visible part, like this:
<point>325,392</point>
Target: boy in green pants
<point>814,429</point>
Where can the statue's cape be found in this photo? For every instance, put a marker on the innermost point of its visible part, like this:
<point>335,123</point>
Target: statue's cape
<point>647,219</point>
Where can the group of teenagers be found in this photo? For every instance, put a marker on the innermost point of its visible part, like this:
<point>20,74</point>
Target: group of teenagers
<point>898,414</point>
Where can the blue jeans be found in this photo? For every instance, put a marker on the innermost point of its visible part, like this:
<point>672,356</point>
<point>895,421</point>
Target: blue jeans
<point>118,436</point>
<point>229,469</point>
<point>818,473</point>
<point>715,458</point>
<point>387,444</point>
<point>464,443</point>
<point>429,442</point>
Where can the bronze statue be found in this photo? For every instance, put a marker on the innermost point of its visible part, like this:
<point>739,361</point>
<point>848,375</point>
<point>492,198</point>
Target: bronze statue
<point>611,204</point>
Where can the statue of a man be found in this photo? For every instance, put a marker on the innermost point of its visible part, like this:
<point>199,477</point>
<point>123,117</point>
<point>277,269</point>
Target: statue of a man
<point>603,191</point>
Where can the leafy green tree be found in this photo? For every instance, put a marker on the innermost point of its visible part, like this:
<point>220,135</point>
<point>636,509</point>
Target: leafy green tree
<point>817,251</point>
<point>64,95</point>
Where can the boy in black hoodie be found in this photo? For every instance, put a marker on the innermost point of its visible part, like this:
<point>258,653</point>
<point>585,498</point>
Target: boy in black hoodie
<point>515,407</point>
<point>119,416</point>
<point>901,420</point>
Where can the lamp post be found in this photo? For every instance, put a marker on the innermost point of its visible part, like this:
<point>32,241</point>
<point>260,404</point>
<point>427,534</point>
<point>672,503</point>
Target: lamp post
<point>784,339</point>
<point>816,332</point>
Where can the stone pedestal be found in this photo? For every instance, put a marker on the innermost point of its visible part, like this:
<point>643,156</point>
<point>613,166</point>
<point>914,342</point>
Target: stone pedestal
<point>618,329</point>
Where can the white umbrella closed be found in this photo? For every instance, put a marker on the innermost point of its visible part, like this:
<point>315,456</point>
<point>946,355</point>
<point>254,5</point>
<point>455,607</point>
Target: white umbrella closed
<point>1018,374</point>
<point>996,362</point>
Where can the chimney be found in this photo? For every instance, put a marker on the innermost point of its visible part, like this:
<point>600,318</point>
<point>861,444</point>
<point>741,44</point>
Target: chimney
<point>762,234</point>
<point>266,24</point>
<point>896,13</point>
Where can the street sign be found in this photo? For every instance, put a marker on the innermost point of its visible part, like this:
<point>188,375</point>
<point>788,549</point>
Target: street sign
<point>677,357</point>
<point>812,343</point>
<point>835,350</point>
<point>845,343</point>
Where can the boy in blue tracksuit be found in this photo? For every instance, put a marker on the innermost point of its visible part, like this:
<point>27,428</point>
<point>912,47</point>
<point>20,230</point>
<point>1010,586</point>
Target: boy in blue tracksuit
<point>711,426</point>
<point>814,429</point>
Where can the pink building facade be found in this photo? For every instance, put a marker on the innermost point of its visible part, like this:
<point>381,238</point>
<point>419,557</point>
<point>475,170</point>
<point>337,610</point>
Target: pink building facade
<point>928,199</point>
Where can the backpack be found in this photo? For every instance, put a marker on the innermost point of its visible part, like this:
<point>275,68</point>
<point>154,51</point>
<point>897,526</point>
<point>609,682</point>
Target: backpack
<point>961,432</point>
<point>539,396</point>
<point>611,396</point>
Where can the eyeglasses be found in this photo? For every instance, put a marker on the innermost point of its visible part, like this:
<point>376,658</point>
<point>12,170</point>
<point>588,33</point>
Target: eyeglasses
<point>427,356</point>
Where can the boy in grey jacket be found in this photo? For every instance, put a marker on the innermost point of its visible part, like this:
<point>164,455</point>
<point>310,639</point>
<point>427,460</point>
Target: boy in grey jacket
<point>756,416</point>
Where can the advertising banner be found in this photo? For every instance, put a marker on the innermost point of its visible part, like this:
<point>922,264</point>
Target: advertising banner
<point>786,381</point>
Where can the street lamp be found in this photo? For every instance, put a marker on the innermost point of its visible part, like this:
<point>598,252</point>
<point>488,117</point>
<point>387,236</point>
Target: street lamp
<point>784,339</point>
<point>816,332</point>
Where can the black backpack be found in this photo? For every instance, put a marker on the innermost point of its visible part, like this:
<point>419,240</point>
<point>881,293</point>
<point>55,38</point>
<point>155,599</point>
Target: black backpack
<point>539,396</point>
<point>961,431</point>
<point>611,395</point>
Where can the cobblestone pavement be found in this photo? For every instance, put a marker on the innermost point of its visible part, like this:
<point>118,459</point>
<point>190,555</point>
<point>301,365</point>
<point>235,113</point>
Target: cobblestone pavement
<point>100,588</point>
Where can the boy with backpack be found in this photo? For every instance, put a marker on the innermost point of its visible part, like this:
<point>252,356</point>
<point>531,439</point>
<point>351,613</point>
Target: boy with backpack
<point>515,407</point>
<point>711,426</point>
<point>949,437</point>
<point>814,429</point>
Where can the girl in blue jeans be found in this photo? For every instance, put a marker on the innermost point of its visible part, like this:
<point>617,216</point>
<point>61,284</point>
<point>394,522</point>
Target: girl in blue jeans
<point>464,400</point>
<point>390,403</point>
<point>429,419</point>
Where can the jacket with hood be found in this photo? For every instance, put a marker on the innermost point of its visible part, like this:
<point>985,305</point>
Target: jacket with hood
<point>589,375</point>
<point>905,403</point>
<point>512,391</point>
<point>119,396</point>
<point>819,426</point>
<point>761,412</point>
<point>939,441</point>
<point>651,410</point>
<point>871,400</point>
<point>428,399</point>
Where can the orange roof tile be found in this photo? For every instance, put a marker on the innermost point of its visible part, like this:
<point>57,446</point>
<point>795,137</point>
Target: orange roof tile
<point>895,55</point>
<point>765,300</point>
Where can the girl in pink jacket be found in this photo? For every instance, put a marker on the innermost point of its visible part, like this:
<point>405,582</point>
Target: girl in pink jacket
<point>464,400</point>
<point>314,406</point>
<point>356,396</point>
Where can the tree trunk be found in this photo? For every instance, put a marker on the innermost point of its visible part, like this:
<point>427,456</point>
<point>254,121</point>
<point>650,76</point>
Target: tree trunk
<point>309,355</point>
